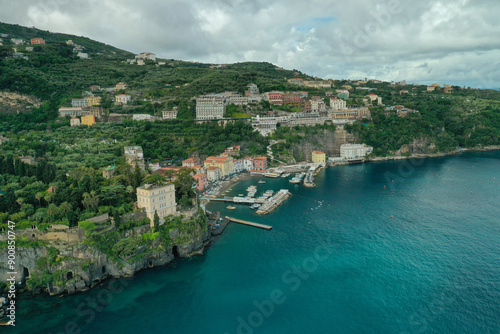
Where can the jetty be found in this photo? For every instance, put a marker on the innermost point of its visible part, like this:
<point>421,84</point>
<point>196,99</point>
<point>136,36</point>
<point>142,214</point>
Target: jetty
<point>313,170</point>
<point>274,202</point>
<point>244,222</point>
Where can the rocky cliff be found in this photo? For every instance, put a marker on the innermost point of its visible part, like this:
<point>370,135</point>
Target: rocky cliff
<point>60,266</point>
<point>326,141</point>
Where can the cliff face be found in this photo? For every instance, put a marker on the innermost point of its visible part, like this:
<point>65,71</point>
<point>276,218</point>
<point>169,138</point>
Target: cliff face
<point>325,141</point>
<point>69,267</point>
<point>417,146</point>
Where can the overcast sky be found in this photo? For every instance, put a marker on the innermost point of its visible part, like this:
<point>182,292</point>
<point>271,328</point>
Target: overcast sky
<point>425,41</point>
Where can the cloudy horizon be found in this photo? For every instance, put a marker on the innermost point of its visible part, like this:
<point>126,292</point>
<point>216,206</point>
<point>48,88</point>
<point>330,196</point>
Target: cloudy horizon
<point>423,42</point>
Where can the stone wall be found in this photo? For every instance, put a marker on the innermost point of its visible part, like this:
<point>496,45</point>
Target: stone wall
<point>136,215</point>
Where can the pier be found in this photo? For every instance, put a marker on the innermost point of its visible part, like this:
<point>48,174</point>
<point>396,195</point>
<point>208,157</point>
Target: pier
<point>274,202</point>
<point>244,222</point>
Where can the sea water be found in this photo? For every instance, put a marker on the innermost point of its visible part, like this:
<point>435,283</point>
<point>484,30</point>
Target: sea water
<point>409,246</point>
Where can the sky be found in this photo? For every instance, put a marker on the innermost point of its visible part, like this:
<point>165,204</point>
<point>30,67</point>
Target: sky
<point>426,41</point>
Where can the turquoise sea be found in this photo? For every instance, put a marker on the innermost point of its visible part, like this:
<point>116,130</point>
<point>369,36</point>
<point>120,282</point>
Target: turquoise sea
<point>409,246</point>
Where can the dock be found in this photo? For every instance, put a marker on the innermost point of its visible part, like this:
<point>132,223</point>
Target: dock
<point>244,222</point>
<point>274,202</point>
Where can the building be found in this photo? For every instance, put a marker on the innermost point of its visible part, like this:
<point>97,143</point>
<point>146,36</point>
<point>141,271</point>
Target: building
<point>374,97</point>
<point>265,125</point>
<point>121,85</point>
<point>296,81</point>
<point>88,120</point>
<point>134,156</point>
<point>260,163</point>
<point>190,162</point>
<point>78,103</point>
<point>238,165</point>
<point>318,157</point>
<point>108,172</point>
<point>337,104</point>
<point>95,88</point>
<point>248,163</point>
<point>317,104</point>
<point>94,111</point>
<point>210,107</point>
<point>351,152</point>
<point>92,100</point>
<point>353,114</point>
<point>17,41</point>
<point>292,98</point>
<point>75,121</point>
<point>146,55</point>
<point>142,117</point>
<point>224,163</point>
<point>318,84</point>
<point>122,99</point>
<point>170,114</point>
<point>39,41</point>
<point>214,174</point>
<point>157,198</point>
<point>201,181</point>
<point>83,55</point>
<point>28,160</point>
<point>73,112</point>
<point>275,98</point>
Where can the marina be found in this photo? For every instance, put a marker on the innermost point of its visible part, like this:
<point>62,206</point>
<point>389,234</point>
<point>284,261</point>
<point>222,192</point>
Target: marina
<point>274,202</point>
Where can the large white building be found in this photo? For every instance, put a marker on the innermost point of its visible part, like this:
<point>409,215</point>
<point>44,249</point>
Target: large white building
<point>157,198</point>
<point>73,112</point>
<point>210,107</point>
<point>351,152</point>
<point>265,125</point>
<point>337,104</point>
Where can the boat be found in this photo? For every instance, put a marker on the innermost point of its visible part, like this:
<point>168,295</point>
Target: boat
<point>230,207</point>
<point>262,181</point>
<point>268,193</point>
<point>294,180</point>
<point>254,206</point>
<point>285,175</point>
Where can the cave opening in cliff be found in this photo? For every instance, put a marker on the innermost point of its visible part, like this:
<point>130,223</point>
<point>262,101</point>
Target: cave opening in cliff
<point>175,251</point>
<point>150,263</point>
<point>69,275</point>
<point>103,269</point>
<point>33,236</point>
<point>26,273</point>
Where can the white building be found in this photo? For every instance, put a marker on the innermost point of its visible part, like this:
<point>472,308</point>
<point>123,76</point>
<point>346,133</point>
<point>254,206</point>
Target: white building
<point>351,152</point>
<point>248,163</point>
<point>73,112</point>
<point>265,125</point>
<point>170,114</point>
<point>238,165</point>
<point>337,104</point>
<point>83,55</point>
<point>214,174</point>
<point>157,198</point>
<point>210,107</point>
<point>142,117</point>
<point>146,55</point>
<point>122,99</point>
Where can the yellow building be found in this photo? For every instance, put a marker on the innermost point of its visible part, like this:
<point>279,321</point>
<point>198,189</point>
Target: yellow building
<point>159,198</point>
<point>318,157</point>
<point>88,120</point>
<point>93,100</point>
<point>224,163</point>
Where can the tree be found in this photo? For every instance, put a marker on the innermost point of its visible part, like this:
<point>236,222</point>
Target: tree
<point>156,221</point>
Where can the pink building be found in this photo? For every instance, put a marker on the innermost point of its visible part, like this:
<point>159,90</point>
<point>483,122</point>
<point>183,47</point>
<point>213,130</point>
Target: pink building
<point>201,181</point>
<point>260,163</point>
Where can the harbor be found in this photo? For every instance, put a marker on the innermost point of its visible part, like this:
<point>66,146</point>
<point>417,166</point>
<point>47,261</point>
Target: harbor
<point>274,202</point>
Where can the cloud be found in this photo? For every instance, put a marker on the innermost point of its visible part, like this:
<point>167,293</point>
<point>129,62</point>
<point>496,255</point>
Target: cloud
<point>426,41</point>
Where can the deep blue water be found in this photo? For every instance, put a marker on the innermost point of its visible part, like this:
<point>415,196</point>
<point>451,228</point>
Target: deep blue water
<point>396,247</point>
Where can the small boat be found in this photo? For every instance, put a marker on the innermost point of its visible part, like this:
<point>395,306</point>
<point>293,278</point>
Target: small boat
<point>254,206</point>
<point>230,207</point>
<point>295,180</point>
<point>262,181</point>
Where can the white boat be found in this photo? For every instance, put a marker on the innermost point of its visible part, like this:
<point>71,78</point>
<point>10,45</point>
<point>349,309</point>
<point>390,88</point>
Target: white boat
<point>254,206</point>
<point>269,193</point>
<point>295,180</point>
<point>262,181</point>
<point>285,175</point>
